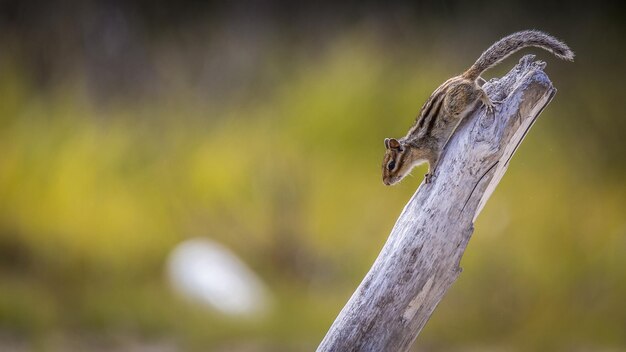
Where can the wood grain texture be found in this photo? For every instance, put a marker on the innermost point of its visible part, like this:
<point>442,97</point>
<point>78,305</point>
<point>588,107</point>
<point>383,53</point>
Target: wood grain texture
<point>420,260</point>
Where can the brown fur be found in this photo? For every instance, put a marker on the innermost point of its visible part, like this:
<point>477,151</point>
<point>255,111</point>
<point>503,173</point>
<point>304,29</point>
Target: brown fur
<point>450,103</point>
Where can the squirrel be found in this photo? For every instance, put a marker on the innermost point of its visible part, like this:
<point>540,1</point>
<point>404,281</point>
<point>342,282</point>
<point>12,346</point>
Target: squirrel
<point>451,102</point>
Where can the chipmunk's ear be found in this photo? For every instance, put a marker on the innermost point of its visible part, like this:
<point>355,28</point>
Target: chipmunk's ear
<point>392,143</point>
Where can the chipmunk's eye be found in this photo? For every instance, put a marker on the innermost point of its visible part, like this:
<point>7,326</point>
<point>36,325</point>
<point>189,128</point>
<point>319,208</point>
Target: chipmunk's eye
<point>391,165</point>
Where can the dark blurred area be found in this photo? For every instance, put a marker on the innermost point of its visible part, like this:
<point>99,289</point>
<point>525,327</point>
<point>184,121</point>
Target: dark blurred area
<point>204,176</point>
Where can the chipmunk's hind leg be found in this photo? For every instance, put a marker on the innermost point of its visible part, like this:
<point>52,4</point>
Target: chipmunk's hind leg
<point>461,97</point>
<point>490,105</point>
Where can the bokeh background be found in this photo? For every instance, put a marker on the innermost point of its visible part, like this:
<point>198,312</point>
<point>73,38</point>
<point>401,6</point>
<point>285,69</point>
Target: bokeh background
<point>252,133</point>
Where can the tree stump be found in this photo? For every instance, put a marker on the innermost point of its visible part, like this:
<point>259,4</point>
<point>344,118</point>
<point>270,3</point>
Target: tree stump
<point>420,260</point>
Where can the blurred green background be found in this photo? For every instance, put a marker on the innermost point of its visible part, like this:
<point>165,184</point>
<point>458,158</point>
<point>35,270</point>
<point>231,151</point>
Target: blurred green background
<point>129,127</point>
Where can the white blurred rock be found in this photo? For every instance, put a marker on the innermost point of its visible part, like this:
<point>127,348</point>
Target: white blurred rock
<point>212,275</point>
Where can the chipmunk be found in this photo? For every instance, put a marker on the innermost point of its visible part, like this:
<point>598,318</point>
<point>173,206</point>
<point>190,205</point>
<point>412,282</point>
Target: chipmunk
<point>451,102</point>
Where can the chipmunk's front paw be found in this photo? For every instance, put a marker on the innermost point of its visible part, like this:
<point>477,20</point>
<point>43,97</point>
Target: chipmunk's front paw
<point>428,178</point>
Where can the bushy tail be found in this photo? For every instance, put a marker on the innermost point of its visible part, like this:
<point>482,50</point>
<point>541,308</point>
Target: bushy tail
<point>514,42</point>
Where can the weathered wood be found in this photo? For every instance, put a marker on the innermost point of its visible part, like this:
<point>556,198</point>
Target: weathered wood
<point>420,260</point>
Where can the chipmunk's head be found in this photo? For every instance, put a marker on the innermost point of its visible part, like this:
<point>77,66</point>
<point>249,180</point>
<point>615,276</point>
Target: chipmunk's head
<point>398,160</point>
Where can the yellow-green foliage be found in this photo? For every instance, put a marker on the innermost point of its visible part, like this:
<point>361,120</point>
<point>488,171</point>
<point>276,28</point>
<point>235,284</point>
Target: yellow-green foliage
<point>92,199</point>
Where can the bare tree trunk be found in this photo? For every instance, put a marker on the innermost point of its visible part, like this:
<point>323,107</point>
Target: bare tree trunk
<point>420,260</point>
